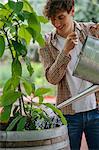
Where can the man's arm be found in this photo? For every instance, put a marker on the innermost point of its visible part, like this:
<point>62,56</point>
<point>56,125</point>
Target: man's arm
<point>91,28</point>
<point>54,69</point>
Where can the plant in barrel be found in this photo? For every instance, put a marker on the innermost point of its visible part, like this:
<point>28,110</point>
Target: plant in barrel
<point>19,24</point>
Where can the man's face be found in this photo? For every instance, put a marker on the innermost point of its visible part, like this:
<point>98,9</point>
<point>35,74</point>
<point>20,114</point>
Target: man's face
<point>62,21</point>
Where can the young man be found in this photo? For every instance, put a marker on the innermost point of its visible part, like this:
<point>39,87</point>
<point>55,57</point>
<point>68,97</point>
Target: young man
<point>59,57</point>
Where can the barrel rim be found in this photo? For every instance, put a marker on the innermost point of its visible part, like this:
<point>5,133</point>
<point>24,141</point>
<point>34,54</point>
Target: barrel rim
<point>33,134</point>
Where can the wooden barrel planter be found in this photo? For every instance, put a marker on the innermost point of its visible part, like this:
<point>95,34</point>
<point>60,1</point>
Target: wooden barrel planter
<point>48,139</point>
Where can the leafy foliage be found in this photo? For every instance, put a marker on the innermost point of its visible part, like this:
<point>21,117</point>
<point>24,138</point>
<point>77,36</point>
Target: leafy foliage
<point>42,117</point>
<point>19,24</point>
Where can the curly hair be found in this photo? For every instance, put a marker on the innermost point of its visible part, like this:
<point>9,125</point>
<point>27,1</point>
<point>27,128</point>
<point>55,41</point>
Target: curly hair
<point>54,6</point>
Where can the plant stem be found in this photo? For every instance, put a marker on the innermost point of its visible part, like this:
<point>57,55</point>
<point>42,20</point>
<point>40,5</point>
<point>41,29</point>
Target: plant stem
<point>9,44</point>
<point>31,107</point>
<point>21,103</point>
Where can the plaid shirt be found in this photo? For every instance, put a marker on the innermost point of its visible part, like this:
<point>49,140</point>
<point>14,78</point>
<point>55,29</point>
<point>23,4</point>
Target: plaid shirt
<point>55,63</point>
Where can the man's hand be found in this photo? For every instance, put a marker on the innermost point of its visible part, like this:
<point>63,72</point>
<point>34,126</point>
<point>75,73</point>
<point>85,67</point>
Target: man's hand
<point>71,41</point>
<point>95,30</point>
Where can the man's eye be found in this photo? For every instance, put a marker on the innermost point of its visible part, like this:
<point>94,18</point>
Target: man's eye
<point>61,17</point>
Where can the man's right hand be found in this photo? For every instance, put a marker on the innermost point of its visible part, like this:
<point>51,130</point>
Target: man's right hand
<point>71,41</point>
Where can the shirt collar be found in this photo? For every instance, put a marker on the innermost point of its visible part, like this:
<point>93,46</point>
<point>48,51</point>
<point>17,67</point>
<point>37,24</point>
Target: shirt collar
<point>77,26</point>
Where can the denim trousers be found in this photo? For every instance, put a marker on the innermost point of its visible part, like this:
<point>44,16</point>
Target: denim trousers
<point>87,122</point>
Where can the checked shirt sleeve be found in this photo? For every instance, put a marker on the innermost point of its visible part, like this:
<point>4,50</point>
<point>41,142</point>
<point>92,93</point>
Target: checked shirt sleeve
<point>55,69</point>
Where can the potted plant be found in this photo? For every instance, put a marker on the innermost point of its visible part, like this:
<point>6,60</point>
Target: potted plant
<point>30,125</point>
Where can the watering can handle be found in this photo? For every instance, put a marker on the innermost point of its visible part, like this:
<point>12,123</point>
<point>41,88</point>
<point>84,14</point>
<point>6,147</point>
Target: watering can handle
<point>83,94</point>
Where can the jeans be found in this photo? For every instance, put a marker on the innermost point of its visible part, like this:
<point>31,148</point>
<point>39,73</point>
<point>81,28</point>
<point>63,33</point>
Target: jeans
<point>87,122</point>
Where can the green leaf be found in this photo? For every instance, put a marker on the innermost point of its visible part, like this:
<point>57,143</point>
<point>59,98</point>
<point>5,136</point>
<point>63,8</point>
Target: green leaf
<point>3,13</point>
<point>20,48</point>
<point>11,4</point>
<point>29,66</point>
<point>5,115</point>
<point>15,81</point>
<point>33,87</point>
<point>9,98</point>
<point>16,68</point>
<point>33,33</point>
<point>34,23</point>
<point>27,6</point>
<point>21,17</point>
<point>41,91</point>
<point>28,87</point>
<point>8,86</point>
<point>1,24</point>
<point>21,124</point>
<point>40,40</point>
<point>24,34</point>
<point>8,23</point>
<point>26,14</point>
<point>15,6</point>
<point>11,84</point>
<point>41,99</point>
<point>13,123</point>
<point>30,69</point>
<point>43,19</point>
<point>2,45</point>
<point>2,6</point>
<point>18,7</point>
<point>57,111</point>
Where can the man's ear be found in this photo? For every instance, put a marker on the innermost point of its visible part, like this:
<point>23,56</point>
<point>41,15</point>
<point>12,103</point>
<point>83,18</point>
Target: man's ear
<point>73,11</point>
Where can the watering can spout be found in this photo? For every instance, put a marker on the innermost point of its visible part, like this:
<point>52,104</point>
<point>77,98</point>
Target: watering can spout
<point>83,94</point>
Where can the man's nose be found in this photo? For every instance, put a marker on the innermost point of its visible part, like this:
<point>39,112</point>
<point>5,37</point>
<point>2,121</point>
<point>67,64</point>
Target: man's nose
<point>57,23</point>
